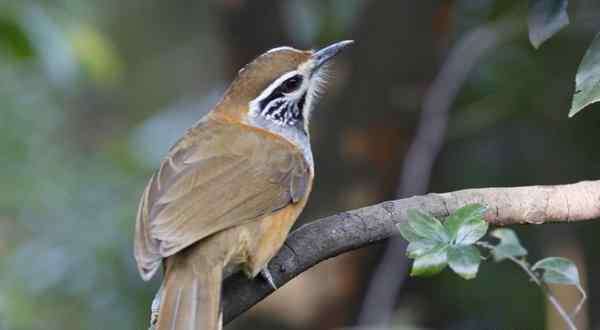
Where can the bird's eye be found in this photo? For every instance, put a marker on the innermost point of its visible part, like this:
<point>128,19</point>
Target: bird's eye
<point>291,84</point>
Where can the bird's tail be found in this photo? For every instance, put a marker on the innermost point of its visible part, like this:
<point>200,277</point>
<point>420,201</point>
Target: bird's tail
<point>190,300</point>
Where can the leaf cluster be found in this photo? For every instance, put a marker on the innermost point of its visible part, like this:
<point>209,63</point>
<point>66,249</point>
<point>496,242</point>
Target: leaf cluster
<point>455,242</point>
<point>434,245</point>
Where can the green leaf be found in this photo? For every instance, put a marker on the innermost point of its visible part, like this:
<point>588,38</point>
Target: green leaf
<point>466,225</point>
<point>509,245</point>
<point>587,80</point>
<point>428,227</point>
<point>464,260</point>
<point>407,232</point>
<point>431,263</point>
<point>558,270</point>
<point>546,17</point>
<point>471,232</point>
<point>421,247</point>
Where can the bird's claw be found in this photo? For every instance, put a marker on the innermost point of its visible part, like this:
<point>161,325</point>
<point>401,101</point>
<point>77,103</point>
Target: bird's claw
<point>267,275</point>
<point>154,309</point>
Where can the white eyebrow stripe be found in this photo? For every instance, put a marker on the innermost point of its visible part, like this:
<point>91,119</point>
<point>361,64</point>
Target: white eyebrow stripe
<point>276,84</point>
<point>254,104</point>
<point>279,48</point>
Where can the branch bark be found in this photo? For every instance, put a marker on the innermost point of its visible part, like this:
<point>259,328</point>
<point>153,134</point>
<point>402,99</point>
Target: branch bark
<point>328,237</point>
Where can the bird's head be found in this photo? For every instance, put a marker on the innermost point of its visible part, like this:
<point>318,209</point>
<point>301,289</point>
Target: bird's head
<point>277,90</point>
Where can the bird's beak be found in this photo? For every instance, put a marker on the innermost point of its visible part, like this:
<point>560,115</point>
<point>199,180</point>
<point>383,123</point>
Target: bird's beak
<point>323,55</point>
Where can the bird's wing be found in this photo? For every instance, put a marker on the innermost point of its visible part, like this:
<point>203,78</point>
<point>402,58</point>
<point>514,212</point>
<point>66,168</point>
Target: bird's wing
<point>216,177</point>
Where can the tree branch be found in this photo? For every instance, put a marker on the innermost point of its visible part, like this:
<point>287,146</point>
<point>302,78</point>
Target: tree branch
<point>328,237</point>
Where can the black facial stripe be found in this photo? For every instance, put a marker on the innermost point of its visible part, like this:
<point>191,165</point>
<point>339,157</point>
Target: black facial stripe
<point>285,87</point>
<point>278,103</point>
<point>276,93</point>
<point>285,111</point>
<point>301,102</point>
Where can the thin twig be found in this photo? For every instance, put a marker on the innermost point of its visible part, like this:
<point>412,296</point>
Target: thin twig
<point>581,302</point>
<point>525,266</point>
<point>547,291</point>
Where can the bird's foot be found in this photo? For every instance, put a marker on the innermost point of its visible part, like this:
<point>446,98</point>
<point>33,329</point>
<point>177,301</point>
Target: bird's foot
<point>267,276</point>
<point>154,309</point>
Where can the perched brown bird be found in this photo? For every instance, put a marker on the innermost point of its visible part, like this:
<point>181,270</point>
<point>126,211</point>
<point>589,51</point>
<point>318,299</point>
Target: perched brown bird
<point>228,192</point>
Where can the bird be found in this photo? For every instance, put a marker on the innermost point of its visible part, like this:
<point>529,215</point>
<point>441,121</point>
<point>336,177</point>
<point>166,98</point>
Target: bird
<point>227,193</point>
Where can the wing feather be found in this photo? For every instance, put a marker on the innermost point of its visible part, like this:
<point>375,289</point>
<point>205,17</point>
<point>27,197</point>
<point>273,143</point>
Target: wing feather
<point>216,177</point>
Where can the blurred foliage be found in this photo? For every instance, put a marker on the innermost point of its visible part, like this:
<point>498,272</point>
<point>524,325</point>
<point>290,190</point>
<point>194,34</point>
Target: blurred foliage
<point>546,17</point>
<point>93,93</point>
<point>14,39</point>
<point>68,207</point>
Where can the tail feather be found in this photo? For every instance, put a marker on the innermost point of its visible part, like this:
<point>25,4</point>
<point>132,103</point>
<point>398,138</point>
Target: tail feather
<point>190,301</point>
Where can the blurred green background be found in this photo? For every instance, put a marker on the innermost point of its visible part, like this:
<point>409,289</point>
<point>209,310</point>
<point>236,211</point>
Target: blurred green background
<point>92,94</point>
